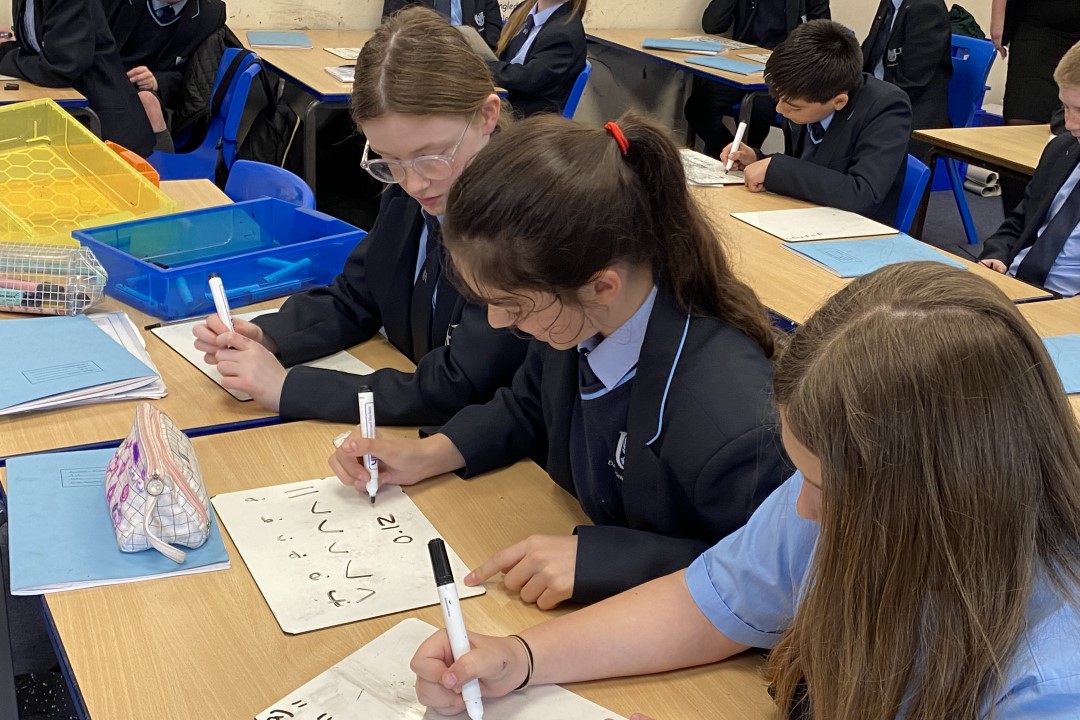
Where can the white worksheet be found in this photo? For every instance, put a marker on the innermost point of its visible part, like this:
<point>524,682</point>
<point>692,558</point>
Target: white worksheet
<point>323,555</point>
<point>375,683</point>
<point>178,336</point>
<point>701,169</point>
<point>819,223</point>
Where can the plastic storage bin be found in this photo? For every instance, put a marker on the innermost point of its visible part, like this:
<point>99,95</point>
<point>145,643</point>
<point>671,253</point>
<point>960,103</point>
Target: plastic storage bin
<point>57,177</point>
<point>261,249</point>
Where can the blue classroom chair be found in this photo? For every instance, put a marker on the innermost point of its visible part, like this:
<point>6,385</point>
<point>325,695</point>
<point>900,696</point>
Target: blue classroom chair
<point>971,61</point>
<point>916,177</point>
<point>249,180</point>
<point>575,92</point>
<point>222,130</point>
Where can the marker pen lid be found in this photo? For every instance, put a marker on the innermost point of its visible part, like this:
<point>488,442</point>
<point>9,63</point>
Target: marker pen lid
<point>440,563</point>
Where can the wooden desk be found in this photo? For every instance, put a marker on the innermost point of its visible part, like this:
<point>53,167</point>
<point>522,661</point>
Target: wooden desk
<point>195,194</point>
<point>306,69</point>
<point>630,39</point>
<point>1057,317</point>
<point>207,646</point>
<point>787,283</point>
<point>1012,148</point>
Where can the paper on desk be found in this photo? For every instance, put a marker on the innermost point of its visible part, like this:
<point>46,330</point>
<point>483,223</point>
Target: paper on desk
<point>344,53</point>
<point>62,537</point>
<point>342,73</point>
<point>725,43</point>
<point>120,328</point>
<point>756,57</point>
<point>51,362</point>
<point>178,336</point>
<point>322,555</point>
<point>818,223</point>
<point>703,170</point>
<point>855,258</point>
<point>375,683</point>
<point>1065,352</point>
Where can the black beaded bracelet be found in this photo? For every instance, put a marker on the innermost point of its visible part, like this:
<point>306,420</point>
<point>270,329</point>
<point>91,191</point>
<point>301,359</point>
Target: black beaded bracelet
<point>528,652</point>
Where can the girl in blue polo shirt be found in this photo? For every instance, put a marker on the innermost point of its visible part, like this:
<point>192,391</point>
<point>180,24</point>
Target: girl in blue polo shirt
<point>923,563</point>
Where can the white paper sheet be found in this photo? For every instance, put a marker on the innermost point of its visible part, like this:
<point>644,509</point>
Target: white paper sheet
<point>761,58</point>
<point>819,223</point>
<point>342,73</point>
<point>178,336</point>
<point>703,170</point>
<point>322,555</point>
<point>344,53</point>
<point>375,683</point>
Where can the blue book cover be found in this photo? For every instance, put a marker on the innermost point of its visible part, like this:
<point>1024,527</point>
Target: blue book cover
<point>51,356</point>
<point>854,258</point>
<point>1065,352</point>
<point>696,46</point>
<point>61,534</point>
<point>289,39</point>
<point>726,64</point>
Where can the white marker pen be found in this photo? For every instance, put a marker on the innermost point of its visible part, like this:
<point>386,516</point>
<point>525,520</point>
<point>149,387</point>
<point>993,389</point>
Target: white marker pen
<point>221,302</point>
<point>455,623</point>
<point>735,146</point>
<point>366,399</point>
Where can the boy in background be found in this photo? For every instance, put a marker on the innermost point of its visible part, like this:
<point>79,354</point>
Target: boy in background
<point>845,131</point>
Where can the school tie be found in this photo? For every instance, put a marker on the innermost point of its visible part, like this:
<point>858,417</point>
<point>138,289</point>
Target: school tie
<point>1040,258</point>
<point>817,132</point>
<point>443,7</point>
<point>588,382</point>
<point>881,41</point>
<point>421,310</point>
<point>165,14</point>
<point>519,40</point>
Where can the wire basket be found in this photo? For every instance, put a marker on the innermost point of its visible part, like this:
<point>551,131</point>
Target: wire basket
<point>49,279</point>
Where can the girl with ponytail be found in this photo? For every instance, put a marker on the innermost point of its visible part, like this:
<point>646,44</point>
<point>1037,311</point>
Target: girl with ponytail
<point>647,391</point>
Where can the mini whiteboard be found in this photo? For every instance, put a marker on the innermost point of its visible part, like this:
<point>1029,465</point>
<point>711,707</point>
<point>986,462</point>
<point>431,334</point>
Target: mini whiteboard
<point>322,555</point>
<point>819,223</point>
<point>178,336</point>
<point>375,683</point>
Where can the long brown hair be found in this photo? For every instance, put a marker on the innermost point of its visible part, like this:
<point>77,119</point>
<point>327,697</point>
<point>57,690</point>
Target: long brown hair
<point>951,488</point>
<point>516,21</point>
<point>416,63</point>
<point>549,203</point>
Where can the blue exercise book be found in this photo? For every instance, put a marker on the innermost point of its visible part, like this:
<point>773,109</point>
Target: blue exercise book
<point>290,39</point>
<point>1065,352</point>
<point>60,359</point>
<point>61,534</point>
<point>853,258</point>
<point>719,63</point>
<point>696,46</point>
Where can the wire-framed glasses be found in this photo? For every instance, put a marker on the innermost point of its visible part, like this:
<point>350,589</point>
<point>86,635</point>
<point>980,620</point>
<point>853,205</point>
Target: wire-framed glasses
<point>431,167</point>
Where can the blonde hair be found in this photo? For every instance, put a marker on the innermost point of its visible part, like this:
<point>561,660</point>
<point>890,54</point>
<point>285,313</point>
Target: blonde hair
<point>517,20</point>
<point>416,63</point>
<point>1067,72</point>
<point>951,488</point>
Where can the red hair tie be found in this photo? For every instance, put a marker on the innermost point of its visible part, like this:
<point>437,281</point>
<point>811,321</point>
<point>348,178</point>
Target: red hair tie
<point>620,139</point>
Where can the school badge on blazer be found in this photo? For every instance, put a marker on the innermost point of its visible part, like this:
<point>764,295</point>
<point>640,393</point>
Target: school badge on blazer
<point>894,55</point>
<point>479,19</point>
<point>620,452</point>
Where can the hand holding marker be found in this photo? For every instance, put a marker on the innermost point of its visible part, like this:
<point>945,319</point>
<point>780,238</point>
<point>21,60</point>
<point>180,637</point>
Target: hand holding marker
<point>455,623</point>
<point>735,146</point>
<point>366,399</point>
<point>221,301</point>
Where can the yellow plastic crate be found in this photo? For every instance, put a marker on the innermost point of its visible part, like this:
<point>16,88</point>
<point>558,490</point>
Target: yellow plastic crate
<point>56,177</point>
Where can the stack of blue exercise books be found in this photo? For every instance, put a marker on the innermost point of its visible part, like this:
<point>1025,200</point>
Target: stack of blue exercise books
<point>1065,352</point>
<point>61,533</point>
<point>854,258</point>
<point>289,39</point>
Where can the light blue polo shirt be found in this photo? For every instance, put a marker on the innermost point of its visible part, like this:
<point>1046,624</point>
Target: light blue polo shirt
<point>751,582</point>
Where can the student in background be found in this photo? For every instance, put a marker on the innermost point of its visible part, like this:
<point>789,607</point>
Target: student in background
<point>483,16</point>
<point>646,393</point>
<point>82,55</point>
<point>923,563</point>
<point>765,23</point>
<point>910,45</point>
<point>156,39</point>
<point>540,53</point>
<point>1039,242</point>
<point>846,132</point>
<point>421,133</point>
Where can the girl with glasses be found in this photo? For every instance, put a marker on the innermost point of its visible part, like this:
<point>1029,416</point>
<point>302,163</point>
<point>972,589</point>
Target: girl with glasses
<point>924,562</point>
<point>647,391</point>
<point>426,104</point>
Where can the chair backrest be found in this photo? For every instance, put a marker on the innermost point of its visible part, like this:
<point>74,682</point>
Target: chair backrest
<point>971,61</point>
<point>575,92</point>
<point>249,180</point>
<point>222,128</point>
<point>916,177</point>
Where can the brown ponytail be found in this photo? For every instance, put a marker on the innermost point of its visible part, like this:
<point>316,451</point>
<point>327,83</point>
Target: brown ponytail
<point>517,20</point>
<point>550,203</point>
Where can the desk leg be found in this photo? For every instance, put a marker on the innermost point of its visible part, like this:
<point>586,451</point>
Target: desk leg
<point>917,223</point>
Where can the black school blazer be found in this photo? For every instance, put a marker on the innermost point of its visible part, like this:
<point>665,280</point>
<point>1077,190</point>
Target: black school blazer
<point>860,164</point>
<point>738,15</point>
<point>1021,226</point>
<point>77,50</point>
<point>469,360</point>
<point>481,15</point>
<point>199,19</point>
<point>702,449</point>
<point>544,81</point>
<point>918,58</point>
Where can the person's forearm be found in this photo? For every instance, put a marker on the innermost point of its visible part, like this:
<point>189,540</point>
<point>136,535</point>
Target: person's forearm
<point>440,455</point>
<point>652,628</point>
